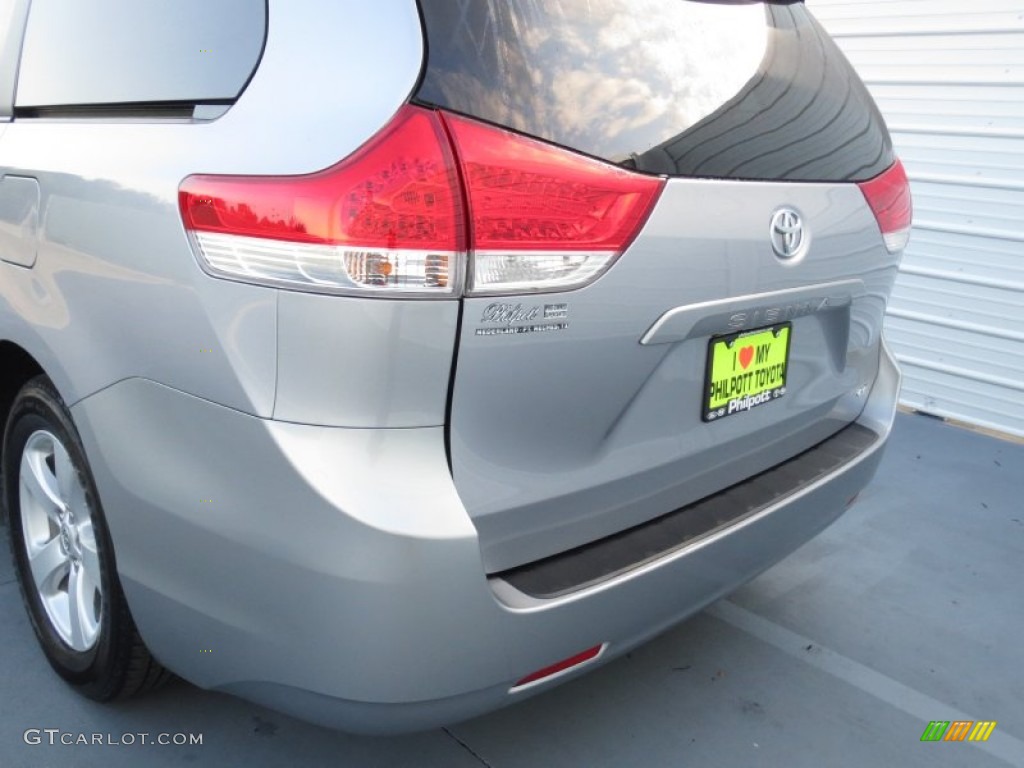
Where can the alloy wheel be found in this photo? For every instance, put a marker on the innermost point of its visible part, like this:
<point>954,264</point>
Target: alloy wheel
<point>60,540</point>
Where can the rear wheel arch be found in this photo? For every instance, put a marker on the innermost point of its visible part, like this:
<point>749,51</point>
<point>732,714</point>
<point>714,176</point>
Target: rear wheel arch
<point>111,659</point>
<point>17,368</point>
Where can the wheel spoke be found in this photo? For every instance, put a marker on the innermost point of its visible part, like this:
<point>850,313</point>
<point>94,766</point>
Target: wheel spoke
<point>41,484</point>
<point>65,473</point>
<point>49,564</point>
<point>76,503</point>
<point>87,605</point>
<point>74,614</point>
<point>90,557</point>
<point>81,595</point>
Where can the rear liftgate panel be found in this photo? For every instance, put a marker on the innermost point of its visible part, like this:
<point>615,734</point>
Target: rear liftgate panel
<point>715,341</point>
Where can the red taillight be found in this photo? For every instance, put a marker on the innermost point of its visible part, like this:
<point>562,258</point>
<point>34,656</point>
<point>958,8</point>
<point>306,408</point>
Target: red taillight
<point>390,218</point>
<point>888,194</point>
<point>525,195</point>
<point>562,666</point>
<point>541,217</point>
<point>387,217</point>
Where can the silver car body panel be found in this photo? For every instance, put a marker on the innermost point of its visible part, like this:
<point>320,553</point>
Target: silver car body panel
<point>113,254</point>
<point>19,220</point>
<point>364,363</point>
<point>607,432</point>
<point>321,489</point>
<point>336,573</point>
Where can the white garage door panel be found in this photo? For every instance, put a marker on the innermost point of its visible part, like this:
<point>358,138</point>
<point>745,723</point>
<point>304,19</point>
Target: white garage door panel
<point>950,74</point>
<point>965,107</point>
<point>965,259</point>
<point>968,206</point>
<point>959,349</point>
<point>949,78</point>
<point>956,48</point>
<point>929,56</point>
<point>992,159</point>
<point>998,312</point>
<point>902,17</point>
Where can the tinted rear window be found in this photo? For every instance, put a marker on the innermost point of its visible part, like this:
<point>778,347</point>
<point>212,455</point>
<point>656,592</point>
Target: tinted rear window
<point>722,90</point>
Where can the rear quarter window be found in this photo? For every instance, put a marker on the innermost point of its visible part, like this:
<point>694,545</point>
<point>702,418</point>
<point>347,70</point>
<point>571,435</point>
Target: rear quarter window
<point>107,52</point>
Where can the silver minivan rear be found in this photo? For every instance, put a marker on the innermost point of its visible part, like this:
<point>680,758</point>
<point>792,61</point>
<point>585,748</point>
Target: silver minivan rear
<point>389,363</point>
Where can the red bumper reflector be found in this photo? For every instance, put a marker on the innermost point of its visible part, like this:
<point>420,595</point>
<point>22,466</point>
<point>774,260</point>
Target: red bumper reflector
<point>573,661</point>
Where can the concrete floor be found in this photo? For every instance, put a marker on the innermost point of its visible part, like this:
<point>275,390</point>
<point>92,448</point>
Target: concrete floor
<point>909,609</point>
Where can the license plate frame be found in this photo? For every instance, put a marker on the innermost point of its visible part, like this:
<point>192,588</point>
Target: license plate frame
<point>730,387</point>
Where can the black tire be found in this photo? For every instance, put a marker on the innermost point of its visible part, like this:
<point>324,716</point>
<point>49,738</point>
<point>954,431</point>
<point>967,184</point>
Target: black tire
<point>117,664</point>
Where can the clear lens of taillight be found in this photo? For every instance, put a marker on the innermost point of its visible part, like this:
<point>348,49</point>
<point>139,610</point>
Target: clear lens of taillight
<point>888,194</point>
<point>386,220</point>
<point>543,218</point>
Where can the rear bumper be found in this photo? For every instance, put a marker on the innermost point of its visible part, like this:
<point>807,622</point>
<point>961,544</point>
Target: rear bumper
<point>334,573</point>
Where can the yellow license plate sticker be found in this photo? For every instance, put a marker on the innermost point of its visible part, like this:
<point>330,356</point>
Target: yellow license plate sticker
<point>745,371</point>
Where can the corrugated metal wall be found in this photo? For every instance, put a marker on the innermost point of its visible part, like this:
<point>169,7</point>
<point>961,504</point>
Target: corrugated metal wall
<point>949,77</point>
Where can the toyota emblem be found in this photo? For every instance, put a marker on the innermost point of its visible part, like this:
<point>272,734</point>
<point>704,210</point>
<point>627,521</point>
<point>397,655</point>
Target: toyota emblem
<point>787,233</point>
